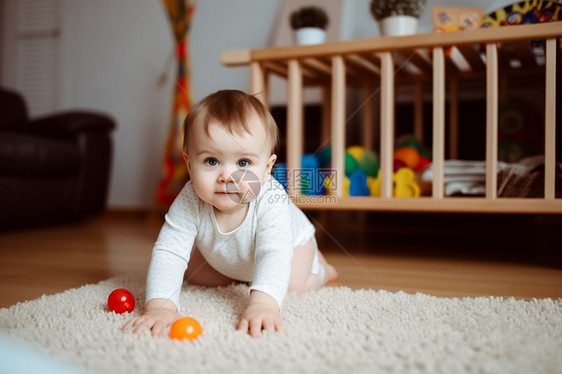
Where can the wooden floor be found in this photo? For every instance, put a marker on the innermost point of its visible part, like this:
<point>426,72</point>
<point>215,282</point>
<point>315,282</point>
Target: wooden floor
<point>442,255</point>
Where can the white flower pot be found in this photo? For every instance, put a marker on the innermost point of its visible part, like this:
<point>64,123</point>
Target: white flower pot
<point>398,25</point>
<point>310,35</point>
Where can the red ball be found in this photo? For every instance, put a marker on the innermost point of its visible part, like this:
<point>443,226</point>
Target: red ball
<point>424,161</point>
<point>121,301</point>
<point>398,164</point>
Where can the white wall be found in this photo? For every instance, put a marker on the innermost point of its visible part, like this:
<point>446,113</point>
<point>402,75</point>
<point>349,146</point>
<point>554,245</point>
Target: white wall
<point>117,57</point>
<point>113,52</point>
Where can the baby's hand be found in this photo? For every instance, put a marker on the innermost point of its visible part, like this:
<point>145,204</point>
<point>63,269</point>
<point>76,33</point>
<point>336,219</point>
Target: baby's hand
<point>157,316</point>
<point>262,313</point>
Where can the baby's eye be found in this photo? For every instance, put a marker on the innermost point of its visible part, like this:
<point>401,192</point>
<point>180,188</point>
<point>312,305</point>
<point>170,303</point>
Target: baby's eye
<point>243,163</point>
<point>211,161</point>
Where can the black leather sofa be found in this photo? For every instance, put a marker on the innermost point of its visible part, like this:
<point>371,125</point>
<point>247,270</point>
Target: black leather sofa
<point>53,169</point>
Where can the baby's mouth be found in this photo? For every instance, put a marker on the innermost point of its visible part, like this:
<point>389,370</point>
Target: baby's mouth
<point>229,190</point>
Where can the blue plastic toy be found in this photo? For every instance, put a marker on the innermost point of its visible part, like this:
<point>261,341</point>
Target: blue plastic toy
<point>311,177</point>
<point>358,184</point>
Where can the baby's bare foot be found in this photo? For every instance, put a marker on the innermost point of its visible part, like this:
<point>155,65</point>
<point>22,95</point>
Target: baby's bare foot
<point>331,273</point>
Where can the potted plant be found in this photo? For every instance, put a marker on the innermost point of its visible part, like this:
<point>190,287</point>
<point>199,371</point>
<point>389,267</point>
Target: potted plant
<point>309,24</point>
<point>397,17</point>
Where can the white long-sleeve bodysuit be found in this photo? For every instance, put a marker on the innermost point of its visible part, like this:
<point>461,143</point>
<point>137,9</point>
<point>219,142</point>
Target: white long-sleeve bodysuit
<point>259,251</point>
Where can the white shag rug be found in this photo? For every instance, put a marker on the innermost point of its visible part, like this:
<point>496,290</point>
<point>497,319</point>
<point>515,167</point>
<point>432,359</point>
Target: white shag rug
<point>333,330</point>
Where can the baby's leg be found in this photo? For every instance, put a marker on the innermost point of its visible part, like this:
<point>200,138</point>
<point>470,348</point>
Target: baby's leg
<point>330,273</point>
<point>302,279</point>
<point>200,273</point>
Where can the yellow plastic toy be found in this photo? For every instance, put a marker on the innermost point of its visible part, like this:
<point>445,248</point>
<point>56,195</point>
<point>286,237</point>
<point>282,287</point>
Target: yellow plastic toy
<point>346,184</point>
<point>356,151</point>
<point>404,184</point>
<point>328,185</point>
<point>374,184</point>
<point>403,181</point>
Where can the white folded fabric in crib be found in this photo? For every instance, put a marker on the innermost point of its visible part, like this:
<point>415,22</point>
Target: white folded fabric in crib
<point>463,177</point>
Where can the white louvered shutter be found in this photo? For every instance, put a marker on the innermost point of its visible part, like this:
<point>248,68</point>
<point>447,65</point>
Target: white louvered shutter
<point>38,54</point>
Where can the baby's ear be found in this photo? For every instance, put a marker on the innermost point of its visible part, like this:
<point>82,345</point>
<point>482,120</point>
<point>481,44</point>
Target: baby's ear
<point>271,162</point>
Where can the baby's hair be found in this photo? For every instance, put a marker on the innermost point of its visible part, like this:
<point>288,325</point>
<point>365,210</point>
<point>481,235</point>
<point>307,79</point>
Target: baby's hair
<point>231,109</point>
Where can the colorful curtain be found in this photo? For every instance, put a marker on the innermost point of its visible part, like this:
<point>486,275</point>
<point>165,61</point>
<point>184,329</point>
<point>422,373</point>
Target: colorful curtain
<point>174,173</point>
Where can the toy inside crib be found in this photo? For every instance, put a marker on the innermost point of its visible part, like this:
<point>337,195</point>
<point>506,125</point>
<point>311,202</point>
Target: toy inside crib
<point>362,177</point>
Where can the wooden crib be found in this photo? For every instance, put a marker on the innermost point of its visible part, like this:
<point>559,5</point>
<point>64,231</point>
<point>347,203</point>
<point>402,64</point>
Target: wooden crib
<point>389,61</point>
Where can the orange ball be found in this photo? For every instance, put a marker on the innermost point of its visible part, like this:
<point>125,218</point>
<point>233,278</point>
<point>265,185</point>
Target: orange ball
<point>185,328</point>
<point>409,156</point>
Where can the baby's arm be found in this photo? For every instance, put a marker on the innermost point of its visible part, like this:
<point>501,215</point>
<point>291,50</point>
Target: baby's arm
<point>163,286</point>
<point>262,313</point>
<point>273,256</point>
<point>157,316</point>
<point>170,257</point>
<point>164,281</point>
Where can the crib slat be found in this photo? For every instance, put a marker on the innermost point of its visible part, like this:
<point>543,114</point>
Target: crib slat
<point>257,82</point>
<point>492,99</point>
<point>387,123</point>
<point>550,121</point>
<point>438,122</point>
<point>294,125</point>
<point>338,121</point>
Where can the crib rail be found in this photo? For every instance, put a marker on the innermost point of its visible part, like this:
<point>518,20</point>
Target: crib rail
<point>392,60</point>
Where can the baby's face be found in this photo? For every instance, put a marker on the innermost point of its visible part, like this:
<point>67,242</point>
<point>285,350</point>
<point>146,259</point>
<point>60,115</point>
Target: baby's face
<point>227,170</point>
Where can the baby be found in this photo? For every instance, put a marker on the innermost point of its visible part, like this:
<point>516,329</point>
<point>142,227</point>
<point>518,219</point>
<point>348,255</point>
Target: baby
<point>232,221</point>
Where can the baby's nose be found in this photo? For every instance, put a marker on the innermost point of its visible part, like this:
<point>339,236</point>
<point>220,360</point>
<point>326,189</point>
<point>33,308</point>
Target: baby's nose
<point>225,175</point>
